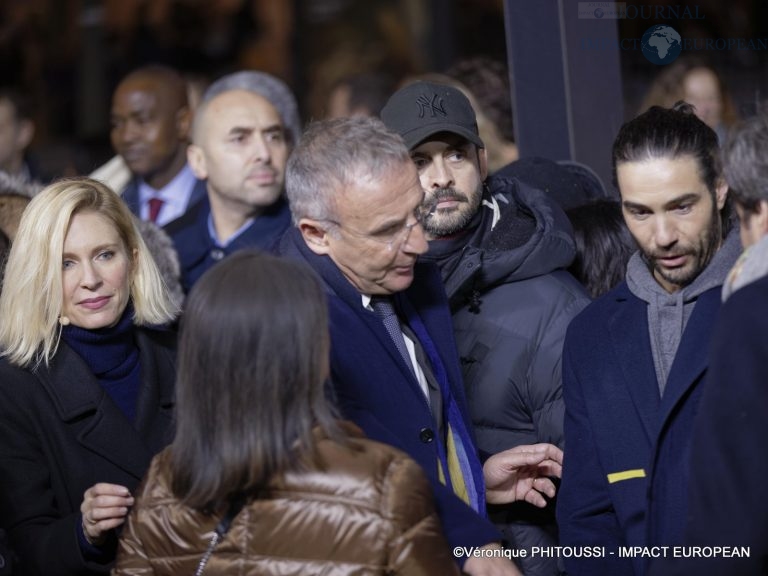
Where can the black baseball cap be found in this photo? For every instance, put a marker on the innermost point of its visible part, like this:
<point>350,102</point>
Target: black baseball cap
<point>419,110</point>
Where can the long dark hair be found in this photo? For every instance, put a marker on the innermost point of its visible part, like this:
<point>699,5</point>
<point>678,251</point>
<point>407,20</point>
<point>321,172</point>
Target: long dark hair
<point>672,133</point>
<point>253,360</point>
<point>603,245</point>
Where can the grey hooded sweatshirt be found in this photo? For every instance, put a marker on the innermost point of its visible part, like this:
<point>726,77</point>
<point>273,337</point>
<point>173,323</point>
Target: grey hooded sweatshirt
<point>668,313</point>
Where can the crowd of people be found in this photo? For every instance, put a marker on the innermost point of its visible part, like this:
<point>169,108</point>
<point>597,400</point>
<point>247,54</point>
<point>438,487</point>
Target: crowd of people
<point>401,349</point>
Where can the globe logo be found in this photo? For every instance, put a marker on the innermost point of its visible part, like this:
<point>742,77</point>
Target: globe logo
<point>599,13</point>
<point>661,44</point>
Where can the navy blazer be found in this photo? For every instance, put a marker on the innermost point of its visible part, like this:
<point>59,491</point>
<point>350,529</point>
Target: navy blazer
<point>197,250</point>
<point>61,433</point>
<point>130,195</point>
<point>374,387</point>
<point>626,449</point>
<point>728,466</point>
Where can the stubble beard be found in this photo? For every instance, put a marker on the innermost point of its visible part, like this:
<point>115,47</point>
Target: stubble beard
<point>701,256</point>
<point>449,221</point>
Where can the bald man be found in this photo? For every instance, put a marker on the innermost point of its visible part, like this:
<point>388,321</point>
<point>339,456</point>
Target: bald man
<point>150,130</point>
<point>244,129</point>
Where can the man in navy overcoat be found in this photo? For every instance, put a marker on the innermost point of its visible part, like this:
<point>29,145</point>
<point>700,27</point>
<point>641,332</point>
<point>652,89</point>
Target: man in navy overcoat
<point>634,360</point>
<point>357,207</point>
<point>726,503</point>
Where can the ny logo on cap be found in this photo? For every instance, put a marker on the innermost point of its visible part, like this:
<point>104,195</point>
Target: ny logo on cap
<point>434,105</point>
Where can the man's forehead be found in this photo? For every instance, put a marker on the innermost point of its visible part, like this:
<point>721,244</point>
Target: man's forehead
<point>241,95</point>
<point>660,180</point>
<point>393,181</point>
<point>136,99</point>
<point>243,101</point>
<point>151,90</point>
<point>440,141</point>
<point>665,168</point>
<point>240,108</point>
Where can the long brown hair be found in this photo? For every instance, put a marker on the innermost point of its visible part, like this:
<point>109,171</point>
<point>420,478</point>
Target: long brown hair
<point>253,361</point>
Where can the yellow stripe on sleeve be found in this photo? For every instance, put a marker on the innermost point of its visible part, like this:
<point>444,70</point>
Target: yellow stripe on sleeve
<point>626,475</point>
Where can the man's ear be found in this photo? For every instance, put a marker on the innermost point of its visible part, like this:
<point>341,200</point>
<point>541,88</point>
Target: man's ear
<point>196,161</point>
<point>315,235</point>
<point>482,160</point>
<point>762,216</point>
<point>24,135</point>
<point>721,193</point>
<point>183,123</point>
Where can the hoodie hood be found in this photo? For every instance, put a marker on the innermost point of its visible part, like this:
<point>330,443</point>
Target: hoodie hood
<point>518,233</point>
<point>668,313</point>
<point>642,283</point>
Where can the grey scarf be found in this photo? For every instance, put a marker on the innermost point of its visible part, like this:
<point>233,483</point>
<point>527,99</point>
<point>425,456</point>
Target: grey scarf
<point>751,265</point>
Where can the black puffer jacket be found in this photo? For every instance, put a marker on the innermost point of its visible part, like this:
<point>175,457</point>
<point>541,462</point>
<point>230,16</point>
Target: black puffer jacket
<point>512,301</point>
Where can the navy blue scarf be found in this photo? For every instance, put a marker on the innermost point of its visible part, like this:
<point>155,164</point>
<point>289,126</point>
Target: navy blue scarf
<point>458,443</point>
<point>113,357</point>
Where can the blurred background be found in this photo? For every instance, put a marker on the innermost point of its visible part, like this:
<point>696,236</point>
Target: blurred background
<point>68,55</point>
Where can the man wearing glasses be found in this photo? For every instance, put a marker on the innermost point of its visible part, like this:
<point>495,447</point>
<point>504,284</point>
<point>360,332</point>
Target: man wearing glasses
<point>358,208</point>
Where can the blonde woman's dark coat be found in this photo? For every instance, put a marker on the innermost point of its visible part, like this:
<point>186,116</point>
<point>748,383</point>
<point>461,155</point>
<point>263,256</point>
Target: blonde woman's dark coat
<point>61,433</point>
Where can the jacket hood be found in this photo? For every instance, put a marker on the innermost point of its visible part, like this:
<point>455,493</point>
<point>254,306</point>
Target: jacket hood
<point>519,233</point>
<point>161,247</point>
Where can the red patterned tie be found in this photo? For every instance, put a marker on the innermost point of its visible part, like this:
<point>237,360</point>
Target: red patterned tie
<point>155,205</point>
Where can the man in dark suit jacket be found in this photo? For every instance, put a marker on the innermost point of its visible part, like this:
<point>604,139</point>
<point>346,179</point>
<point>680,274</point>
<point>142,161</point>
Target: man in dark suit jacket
<point>245,127</point>
<point>726,504</point>
<point>150,129</point>
<point>356,202</point>
<point>634,360</point>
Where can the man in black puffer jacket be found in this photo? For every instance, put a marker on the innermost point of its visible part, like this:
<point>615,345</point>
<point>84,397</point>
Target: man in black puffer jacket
<point>502,247</point>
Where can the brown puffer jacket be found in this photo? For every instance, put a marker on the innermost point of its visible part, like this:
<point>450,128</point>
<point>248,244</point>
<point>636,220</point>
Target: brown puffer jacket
<point>369,512</point>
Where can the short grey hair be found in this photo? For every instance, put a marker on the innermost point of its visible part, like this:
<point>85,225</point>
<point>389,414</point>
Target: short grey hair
<point>745,163</point>
<point>265,85</point>
<point>334,154</point>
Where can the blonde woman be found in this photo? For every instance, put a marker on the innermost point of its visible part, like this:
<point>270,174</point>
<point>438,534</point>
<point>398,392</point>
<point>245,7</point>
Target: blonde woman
<point>86,383</point>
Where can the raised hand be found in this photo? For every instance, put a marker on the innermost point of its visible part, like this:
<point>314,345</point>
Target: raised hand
<point>523,473</point>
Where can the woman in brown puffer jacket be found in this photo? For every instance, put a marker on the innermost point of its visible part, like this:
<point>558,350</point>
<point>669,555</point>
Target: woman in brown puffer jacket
<point>261,479</point>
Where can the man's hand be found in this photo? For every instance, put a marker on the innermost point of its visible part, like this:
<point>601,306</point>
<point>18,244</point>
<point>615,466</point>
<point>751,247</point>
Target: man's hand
<point>490,566</point>
<point>523,473</point>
